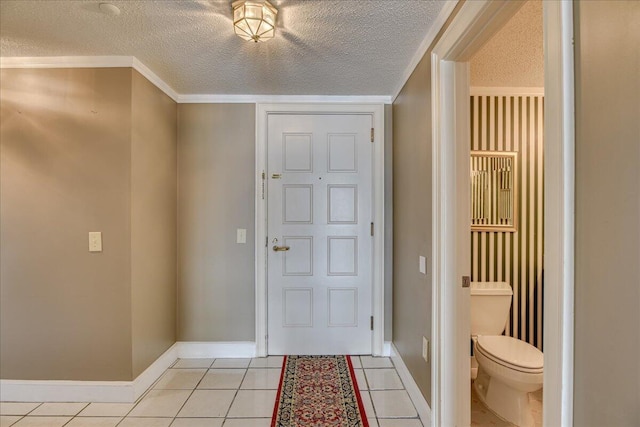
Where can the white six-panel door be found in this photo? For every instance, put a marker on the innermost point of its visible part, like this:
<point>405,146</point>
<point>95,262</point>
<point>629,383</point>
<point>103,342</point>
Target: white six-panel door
<point>319,210</point>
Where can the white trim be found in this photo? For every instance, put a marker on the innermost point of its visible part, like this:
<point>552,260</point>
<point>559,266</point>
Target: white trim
<point>153,78</point>
<point>87,391</point>
<point>424,411</point>
<point>475,22</point>
<point>288,99</point>
<point>136,64</point>
<point>506,91</point>
<point>434,29</point>
<point>262,113</point>
<point>387,349</point>
<point>66,62</point>
<point>89,62</point>
<point>559,216</point>
<point>154,371</point>
<point>120,391</point>
<point>217,350</point>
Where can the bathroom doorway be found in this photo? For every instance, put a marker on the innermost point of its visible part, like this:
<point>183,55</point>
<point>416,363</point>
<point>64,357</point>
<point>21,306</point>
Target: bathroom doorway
<point>507,184</point>
<point>474,25</point>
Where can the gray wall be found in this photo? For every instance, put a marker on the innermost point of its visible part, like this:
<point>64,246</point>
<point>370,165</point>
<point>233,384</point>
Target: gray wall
<point>412,302</point>
<point>71,162</point>
<point>216,276</point>
<point>607,290</point>
<point>216,168</point>
<point>65,151</point>
<point>153,222</point>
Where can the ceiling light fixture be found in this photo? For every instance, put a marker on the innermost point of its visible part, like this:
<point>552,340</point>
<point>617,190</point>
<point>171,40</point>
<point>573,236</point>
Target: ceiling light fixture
<point>254,19</point>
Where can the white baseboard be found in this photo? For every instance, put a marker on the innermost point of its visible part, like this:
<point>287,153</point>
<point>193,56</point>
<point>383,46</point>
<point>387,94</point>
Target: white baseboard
<point>424,411</point>
<point>119,391</point>
<point>386,349</point>
<point>86,391</point>
<point>153,372</point>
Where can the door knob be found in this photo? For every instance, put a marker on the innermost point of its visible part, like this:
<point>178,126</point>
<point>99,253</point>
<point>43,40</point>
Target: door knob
<point>277,248</point>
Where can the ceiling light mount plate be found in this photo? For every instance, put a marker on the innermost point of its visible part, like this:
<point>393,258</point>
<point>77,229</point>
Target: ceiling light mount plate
<point>254,20</point>
<point>109,9</point>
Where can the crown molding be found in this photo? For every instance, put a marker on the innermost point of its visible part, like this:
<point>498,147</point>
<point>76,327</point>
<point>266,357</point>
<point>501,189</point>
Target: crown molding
<point>136,64</point>
<point>505,91</point>
<point>66,62</point>
<point>153,78</point>
<point>293,99</point>
<point>435,28</point>
<point>89,62</point>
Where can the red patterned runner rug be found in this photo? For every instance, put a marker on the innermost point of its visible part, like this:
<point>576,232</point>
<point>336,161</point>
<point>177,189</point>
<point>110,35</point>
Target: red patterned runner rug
<point>318,391</point>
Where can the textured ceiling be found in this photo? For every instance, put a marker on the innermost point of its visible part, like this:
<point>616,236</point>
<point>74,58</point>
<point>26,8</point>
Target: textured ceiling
<point>514,57</point>
<point>322,47</point>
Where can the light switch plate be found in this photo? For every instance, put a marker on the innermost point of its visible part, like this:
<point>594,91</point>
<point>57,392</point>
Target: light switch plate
<point>241,235</point>
<point>423,264</point>
<point>95,241</point>
<point>425,349</point>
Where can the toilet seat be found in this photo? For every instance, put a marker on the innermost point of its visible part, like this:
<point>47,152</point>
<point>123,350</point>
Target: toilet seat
<point>511,353</point>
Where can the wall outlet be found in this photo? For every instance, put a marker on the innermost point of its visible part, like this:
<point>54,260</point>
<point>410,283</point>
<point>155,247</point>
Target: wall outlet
<point>95,241</point>
<point>425,349</point>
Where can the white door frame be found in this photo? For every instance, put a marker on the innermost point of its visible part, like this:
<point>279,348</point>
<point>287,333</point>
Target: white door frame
<point>474,24</point>
<point>262,114</point>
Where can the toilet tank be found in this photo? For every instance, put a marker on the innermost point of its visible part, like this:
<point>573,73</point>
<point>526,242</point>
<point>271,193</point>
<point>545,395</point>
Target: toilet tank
<point>490,304</point>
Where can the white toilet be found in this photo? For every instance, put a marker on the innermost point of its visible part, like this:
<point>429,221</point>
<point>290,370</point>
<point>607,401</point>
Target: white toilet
<point>508,368</point>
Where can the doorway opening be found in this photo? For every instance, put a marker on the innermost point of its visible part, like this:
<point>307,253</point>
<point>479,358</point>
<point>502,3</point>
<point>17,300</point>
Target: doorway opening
<point>475,24</point>
<point>507,227</point>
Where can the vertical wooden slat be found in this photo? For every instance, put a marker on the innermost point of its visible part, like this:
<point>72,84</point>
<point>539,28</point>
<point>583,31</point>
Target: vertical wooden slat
<point>532,216</point>
<point>523,232</point>
<point>540,216</point>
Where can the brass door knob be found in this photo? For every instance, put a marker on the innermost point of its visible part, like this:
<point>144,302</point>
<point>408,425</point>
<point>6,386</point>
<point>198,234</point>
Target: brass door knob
<point>277,248</point>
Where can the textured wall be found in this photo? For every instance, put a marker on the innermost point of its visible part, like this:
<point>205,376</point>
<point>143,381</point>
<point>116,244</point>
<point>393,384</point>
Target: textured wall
<point>153,222</point>
<point>607,293</point>
<point>216,166</point>
<point>514,123</point>
<point>514,56</point>
<point>65,171</point>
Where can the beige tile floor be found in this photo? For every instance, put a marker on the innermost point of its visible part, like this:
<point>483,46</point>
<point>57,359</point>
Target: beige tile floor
<point>481,416</point>
<point>217,393</point>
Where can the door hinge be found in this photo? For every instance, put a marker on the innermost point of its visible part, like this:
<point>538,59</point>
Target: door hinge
<point>372,323</point>
<point>372,134</point>
<point>264,176</point>
<point>372,229</point>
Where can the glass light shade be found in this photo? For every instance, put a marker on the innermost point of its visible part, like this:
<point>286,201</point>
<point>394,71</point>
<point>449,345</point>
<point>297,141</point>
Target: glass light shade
<point>254,19</point>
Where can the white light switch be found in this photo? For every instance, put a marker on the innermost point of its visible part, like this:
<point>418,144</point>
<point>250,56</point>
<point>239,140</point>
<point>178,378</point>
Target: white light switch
<point>95,241</point>
<point>423,265</point>
<point>241,235</point>
<point>425,349</point>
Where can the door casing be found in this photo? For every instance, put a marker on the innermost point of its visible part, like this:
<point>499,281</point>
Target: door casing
<point>475,23</point>
<point>262,114</point>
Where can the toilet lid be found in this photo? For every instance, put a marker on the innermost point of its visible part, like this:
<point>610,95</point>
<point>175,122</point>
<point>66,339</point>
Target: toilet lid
<point>512,351</point>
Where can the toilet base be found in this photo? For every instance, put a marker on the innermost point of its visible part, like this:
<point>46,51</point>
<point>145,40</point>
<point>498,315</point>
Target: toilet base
<point>506,402</point>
